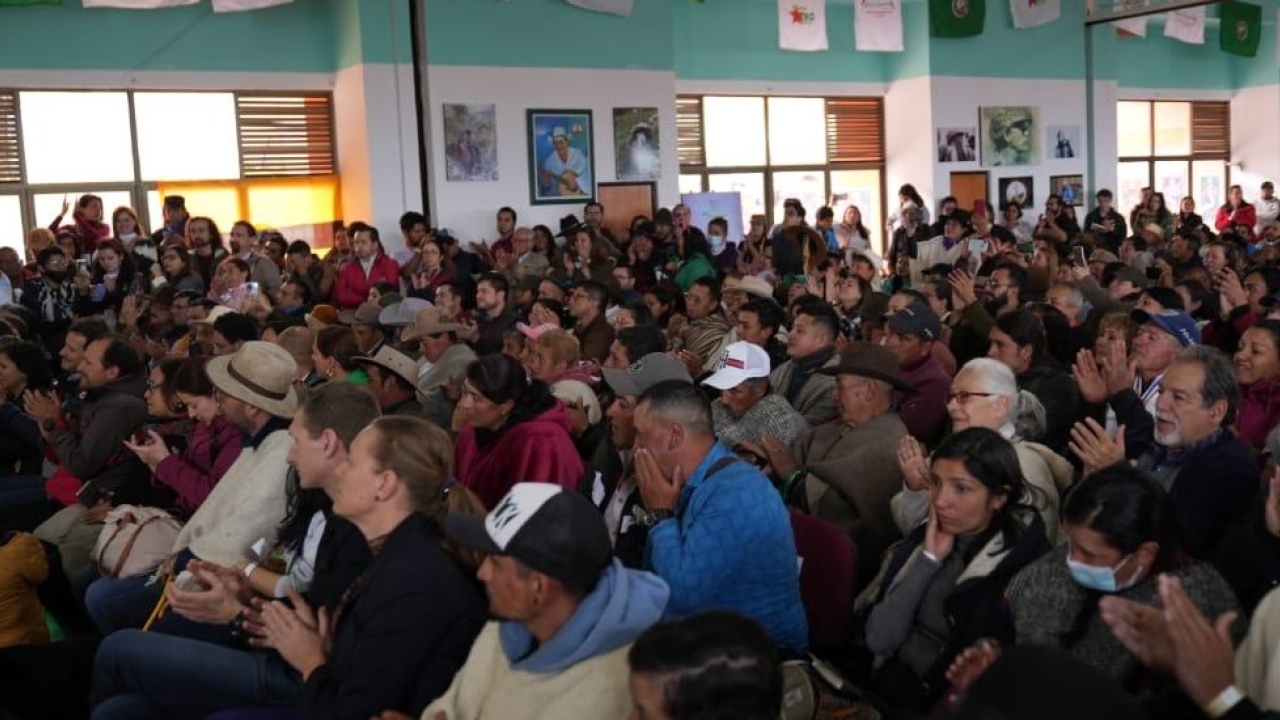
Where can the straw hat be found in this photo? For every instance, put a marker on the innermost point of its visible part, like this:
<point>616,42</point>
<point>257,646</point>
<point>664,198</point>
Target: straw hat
<point>430,321</point>
<point>393,361</point>
<point>217,312</point>
<point>260,374</point>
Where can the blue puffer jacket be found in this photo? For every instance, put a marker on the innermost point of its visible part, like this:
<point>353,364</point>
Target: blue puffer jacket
<point>730,547</point>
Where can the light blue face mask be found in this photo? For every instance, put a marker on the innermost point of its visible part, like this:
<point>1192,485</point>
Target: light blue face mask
<point>716,241</point>
<point>1102,579</point>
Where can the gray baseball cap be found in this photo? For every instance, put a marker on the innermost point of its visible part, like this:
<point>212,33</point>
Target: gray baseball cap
<point>645,373</point>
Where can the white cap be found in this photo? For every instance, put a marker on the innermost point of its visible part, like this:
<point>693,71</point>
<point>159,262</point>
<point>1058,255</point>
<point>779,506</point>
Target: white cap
<point>739,362</point>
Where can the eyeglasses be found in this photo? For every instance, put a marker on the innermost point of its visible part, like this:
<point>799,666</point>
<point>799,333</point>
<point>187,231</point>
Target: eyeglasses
<point>962,397</point>
<point>152,384</point>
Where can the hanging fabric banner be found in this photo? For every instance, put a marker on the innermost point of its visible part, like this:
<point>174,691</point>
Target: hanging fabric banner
<point>612,7</point>
<point>1186,25</point>
<point>1239,28</point>
<point>877,25</point>
<point>220,6</point>
<point>957,18</point>
<point>1032,13</point>
<point>1136,26</point>
<point>137,4</point>
<point>802,25</point>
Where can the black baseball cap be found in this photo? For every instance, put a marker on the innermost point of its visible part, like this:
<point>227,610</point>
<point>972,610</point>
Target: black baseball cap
<point>556,532</point>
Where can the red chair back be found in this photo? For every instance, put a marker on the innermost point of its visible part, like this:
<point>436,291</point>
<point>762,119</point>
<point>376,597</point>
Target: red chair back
<point>826,580</point>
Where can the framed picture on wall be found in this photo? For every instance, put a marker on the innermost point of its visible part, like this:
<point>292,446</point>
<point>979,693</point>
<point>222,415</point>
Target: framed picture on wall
<point>1068,187</point>
<point>636,143</point>
<point>957,145</point>
<point>1019,190</point>
<point>470,143</point>
<point>561,157</point>
<point>1010,135</point>
<point>1062,141</point>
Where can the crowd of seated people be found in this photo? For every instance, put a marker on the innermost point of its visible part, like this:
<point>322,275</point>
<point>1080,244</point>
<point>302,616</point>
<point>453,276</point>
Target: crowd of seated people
<point>647,470</point>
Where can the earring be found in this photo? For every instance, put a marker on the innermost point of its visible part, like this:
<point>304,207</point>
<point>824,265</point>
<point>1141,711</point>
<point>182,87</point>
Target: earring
<point>328,372</point>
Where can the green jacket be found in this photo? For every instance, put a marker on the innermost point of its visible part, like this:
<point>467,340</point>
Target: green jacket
<point>698,266</point>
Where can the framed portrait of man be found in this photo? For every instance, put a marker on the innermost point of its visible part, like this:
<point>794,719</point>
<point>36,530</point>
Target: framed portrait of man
<point>1010,135</point>
<point>561,157</point>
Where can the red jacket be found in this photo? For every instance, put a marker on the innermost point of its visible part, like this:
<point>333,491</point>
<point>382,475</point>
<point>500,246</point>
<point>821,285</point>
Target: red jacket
<point>1246,217</point>
<point>87,233</point>
<point>537,450</point>
<point>352,287</point>
<point>1259,413</point>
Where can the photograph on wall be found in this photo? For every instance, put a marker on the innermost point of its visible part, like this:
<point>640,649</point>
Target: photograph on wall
<point>1017,190</point>
<point>1010,135</point>
<point>1068,187</point>
<point>636,143</point>
<point>561,157</point>
<point>957,145</point>
<point>1063,141</point>
<point>470,143</point>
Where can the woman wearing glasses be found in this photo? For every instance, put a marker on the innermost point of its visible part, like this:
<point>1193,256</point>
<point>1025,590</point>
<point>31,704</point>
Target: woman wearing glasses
<point>985,394</point>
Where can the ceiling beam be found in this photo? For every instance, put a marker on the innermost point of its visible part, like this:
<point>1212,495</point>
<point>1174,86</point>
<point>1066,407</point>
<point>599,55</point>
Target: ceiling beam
<point>1106,16</point>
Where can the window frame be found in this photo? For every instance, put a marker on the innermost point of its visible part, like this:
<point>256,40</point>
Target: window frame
<point>1188,159</point>
<point>704,172</point>
<point>138,188</point>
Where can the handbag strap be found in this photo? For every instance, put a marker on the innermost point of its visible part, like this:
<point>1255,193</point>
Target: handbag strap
<point>128,547</point>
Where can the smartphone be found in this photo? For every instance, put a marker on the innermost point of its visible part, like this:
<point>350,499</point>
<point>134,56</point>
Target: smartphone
<point>1027,248</point>
<point>977,246</point>
<point>251,289</point>
<point>82,265</point>
<point>1080,259</point>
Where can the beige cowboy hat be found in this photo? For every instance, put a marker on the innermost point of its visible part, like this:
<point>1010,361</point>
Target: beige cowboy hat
<point>393,361</point>
<point>430,321</point>
<point>217,312</point>
<point>259,374</point>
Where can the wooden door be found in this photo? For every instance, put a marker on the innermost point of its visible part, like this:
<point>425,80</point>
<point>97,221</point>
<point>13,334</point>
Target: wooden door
<point>968,187</point>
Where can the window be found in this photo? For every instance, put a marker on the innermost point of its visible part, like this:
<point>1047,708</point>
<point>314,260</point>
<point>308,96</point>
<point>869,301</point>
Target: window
<point>820,150</point>
<point>11,234</point>
<point>76,137</point>
<point>187,136</point>
<point>1179,148</point>
<point>228,151</point>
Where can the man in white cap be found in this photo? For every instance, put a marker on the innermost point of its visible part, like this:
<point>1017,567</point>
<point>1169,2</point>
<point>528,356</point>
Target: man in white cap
<point>254,389</point>
<point>567,613</point>
<point>746,411</point>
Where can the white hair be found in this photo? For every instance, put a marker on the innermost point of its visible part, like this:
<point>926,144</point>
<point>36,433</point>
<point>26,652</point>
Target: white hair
<point>1026,417</point>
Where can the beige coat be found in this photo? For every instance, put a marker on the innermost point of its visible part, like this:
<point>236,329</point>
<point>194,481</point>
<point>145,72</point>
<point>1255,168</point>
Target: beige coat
<point>816,401</point>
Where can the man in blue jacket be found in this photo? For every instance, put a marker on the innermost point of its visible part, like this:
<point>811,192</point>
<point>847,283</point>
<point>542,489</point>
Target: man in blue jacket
<point>719,533</point>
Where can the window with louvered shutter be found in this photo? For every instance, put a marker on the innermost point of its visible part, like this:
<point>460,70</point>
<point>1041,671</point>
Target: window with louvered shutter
<point>689,131</point>
<point>855,130</point>
<point>285,134</point>
<point>10,142</point>
<point>1210,130</point>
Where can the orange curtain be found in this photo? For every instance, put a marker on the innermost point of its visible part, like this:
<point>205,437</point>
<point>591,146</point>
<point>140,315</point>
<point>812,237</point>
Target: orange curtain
<point>265,202</point>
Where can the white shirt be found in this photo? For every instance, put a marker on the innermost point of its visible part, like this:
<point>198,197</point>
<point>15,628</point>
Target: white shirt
<point>1267,211</point>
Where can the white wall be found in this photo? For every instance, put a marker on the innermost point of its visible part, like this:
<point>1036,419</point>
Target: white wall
<point>908,140</point>
<point>468,208</point>
<point>377,137</point>
<point>956,100</point>
<point>1255,143</point>
<point>1105,145</point>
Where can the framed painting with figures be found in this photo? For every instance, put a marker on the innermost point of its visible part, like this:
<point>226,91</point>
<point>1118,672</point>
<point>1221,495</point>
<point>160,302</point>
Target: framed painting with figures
<point>561,157</point>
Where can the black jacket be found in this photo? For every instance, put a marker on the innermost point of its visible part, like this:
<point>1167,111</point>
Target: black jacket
<point>604,473</point>
<point>343,554</point>
<point>403,630</point>
<point>1057,392</point>
<point>1249,557</point>
<point>1213,489</point>
<point>975,607</point>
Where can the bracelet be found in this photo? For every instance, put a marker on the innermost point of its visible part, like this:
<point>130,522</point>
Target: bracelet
<point>1222,704</point>
<point>248,570</point>
<point>789,483</point>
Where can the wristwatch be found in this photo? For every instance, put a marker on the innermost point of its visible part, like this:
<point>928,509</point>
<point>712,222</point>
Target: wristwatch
<point>649,518</point>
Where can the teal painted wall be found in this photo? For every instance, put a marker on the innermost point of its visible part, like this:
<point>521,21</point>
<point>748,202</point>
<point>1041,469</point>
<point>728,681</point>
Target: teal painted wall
<point>298,37</point>
<point>738,39</point>
<point>549,33</point>
<point>371,31</point>
<point>1054,50</point>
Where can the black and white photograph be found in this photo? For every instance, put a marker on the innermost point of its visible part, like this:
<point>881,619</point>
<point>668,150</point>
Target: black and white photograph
<point>1063,141</point>
<point>957,145</point>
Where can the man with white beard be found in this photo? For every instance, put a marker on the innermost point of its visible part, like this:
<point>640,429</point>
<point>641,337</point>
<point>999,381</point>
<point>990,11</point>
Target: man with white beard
<point>1208,472</point>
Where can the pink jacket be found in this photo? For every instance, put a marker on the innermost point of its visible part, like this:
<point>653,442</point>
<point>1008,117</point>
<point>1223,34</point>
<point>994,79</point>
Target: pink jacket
<point>539,449</point>
<point>352,287</point>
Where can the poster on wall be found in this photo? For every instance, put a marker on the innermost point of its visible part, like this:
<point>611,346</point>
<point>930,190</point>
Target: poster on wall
<point>636,143</point>
<point>1010,135</point>
<point>1020,190</point>
<point>957,145</point>
<point>470,143</point>
<point>704,207</point>
<point>1062,141</point>
<point>561,157</point>
<point>1068,187</point>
